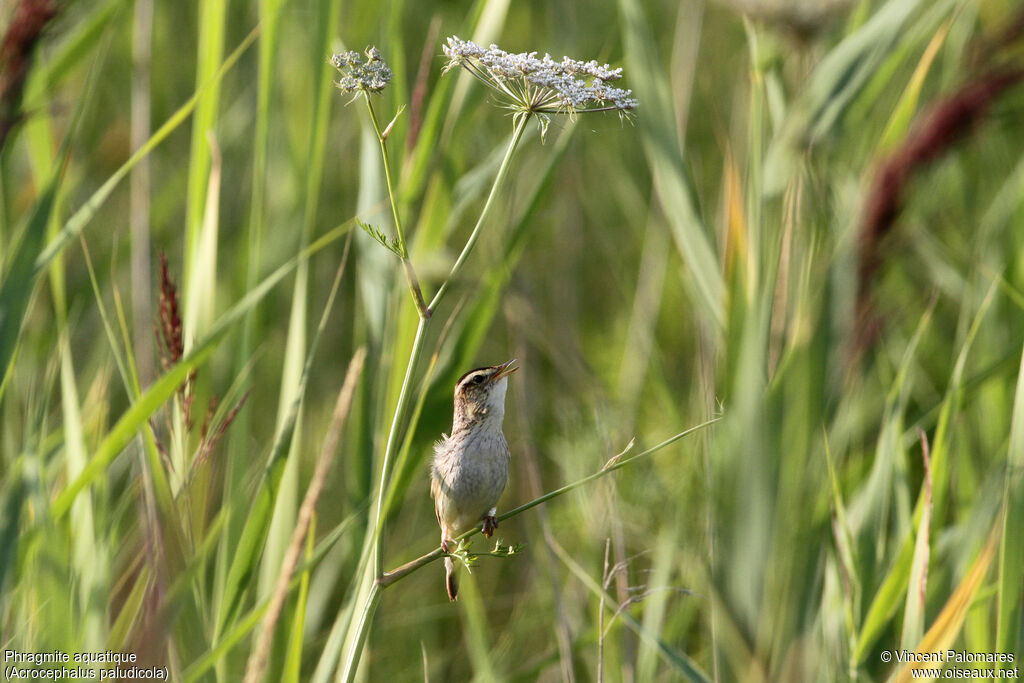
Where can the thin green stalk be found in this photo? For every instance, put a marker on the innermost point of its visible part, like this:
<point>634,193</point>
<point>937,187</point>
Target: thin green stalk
<point>362,629</point>
<point>403,400</point>
<point>517,134</point>
<point>410,274</point>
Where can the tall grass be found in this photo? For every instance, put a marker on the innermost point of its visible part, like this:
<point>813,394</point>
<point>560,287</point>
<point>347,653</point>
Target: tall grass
<point>802,254</point>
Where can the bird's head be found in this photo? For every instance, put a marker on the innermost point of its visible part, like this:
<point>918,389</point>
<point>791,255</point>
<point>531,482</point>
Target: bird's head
<point>480,393</point>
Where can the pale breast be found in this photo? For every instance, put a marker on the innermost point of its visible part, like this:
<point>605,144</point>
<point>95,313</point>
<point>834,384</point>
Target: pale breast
<point>470,472</point>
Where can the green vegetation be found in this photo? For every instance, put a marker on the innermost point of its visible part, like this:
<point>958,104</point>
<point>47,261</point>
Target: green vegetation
<point>769,422</point>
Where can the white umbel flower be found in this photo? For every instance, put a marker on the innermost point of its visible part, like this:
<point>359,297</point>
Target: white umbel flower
<point>542,85</point>
<point>359,75</point>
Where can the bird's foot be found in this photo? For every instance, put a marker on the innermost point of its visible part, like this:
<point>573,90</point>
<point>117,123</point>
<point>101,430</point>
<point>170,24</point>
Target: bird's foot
<point>490,523</point>
<point>446,546</point>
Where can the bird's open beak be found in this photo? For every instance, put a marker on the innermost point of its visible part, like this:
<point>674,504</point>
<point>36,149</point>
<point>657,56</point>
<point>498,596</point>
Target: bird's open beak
<point>504,370</point>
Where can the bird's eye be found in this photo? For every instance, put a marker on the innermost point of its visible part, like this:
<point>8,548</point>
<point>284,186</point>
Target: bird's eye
<point>478,379</point>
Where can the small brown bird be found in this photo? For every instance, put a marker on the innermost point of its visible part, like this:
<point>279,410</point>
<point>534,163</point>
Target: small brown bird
<point>470,467</point>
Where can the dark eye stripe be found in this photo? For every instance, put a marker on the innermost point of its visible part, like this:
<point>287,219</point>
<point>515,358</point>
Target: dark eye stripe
<point>469,374</point>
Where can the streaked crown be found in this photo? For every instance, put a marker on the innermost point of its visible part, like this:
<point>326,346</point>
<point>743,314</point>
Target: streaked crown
<point>481,393</point>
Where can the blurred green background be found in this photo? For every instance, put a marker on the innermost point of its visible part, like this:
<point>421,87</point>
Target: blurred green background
<point>716,255</point>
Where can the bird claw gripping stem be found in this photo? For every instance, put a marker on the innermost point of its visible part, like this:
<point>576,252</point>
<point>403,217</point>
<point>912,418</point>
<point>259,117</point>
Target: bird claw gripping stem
<point>489,525</point>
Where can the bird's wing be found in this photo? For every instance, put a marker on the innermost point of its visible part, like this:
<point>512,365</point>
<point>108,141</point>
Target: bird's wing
<point>435,485</point>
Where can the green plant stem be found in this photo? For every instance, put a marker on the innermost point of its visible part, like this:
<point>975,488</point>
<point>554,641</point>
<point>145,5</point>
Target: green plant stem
<point>613,464</point>
<point>389,451</point>
<point>370,603</point>
<point>410,273</point>
<point>362,629</point>
<point>460,262</point>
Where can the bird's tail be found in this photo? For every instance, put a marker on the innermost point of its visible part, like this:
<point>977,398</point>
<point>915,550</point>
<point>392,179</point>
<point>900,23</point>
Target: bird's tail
<point>449,583</point>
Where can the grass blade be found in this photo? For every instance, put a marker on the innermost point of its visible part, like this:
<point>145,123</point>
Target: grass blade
<point>251,545</point>
<point>1011,551</point>
<point>673,186</point>
<point>913,615</point>
<point>947,625</point>
<point>161,390</point>
<point>835,82</point>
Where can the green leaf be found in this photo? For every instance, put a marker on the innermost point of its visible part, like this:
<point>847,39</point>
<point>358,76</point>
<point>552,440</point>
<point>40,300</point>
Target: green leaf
<point>1009,630</point>
<point>832,86</point>
<point>30,259</point>
<point>947,625</point>
<point>672,184</point>
<point>685,667</point>
<point>902,115</point>
<point>20,277</point>
<point>12,499</point>
<point>133,420</point>
<point>251,545</point>
<point>391,244</point>
<point>246,623</point>
<point>913,614</point>
<point>161,390</point>
<point>887,599</point>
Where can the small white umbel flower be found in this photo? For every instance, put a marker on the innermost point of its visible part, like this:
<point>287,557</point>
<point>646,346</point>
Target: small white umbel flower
<point>361,75</point>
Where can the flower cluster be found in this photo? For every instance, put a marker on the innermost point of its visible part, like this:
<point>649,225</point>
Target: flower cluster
<point>542,85</point>
<point>361,76</point>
